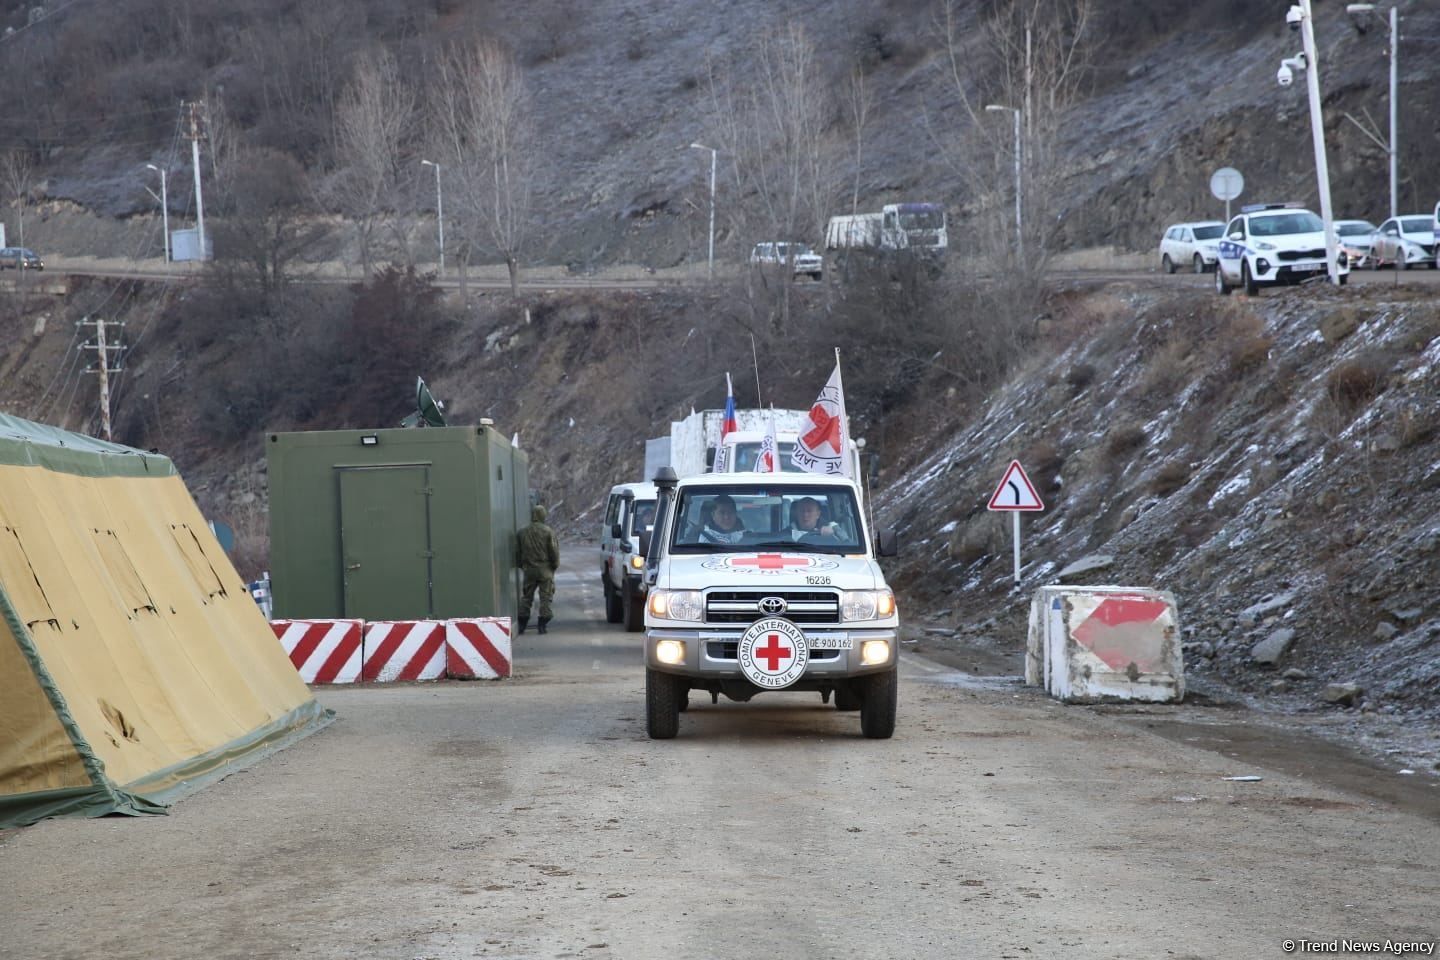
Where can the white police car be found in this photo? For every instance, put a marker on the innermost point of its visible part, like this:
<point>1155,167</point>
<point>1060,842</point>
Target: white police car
<point>1272,244</point>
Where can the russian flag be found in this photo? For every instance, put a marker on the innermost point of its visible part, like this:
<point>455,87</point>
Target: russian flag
<point>727,427</point>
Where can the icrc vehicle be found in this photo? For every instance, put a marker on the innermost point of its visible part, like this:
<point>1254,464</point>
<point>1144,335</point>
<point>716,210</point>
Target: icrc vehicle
<point>629,519</point>
<point>1272,244</point>
<point>763,582</point>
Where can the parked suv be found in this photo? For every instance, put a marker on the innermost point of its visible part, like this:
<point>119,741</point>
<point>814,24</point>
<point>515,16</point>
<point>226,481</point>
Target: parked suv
<point>765,582</point>
<point>1192,245</point>
<point>20,258</point>
<point>1272,244</point>
<point>804,261</point>
<point>629,521</point>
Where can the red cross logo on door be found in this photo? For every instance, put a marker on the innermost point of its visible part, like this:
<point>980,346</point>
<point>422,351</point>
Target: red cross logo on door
<point>772,653</point>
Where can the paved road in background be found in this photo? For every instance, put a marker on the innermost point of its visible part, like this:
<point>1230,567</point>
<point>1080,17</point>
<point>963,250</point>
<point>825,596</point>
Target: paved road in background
<point>533,818</point>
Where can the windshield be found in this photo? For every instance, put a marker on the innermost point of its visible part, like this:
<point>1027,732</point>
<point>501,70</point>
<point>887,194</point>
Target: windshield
<point>1209,233</point>
<point>643,517</point>
<point>1286,223</point>
<point>923,220</point>
<point>1356,229</point>
<point>1415,224</point>
<point>747,453</point>
<point>740,519</point>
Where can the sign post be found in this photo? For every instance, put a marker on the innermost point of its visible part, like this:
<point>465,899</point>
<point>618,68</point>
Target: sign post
<point>1017,495</point>
<point>1227,184</point>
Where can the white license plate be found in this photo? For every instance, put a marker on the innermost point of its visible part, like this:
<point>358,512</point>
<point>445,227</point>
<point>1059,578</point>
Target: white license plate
<point>833,642</point>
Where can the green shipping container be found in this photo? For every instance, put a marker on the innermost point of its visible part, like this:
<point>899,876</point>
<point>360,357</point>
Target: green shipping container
<point>403,524</point>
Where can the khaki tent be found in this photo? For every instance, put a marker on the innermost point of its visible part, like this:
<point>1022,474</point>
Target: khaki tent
<point>134,665</point>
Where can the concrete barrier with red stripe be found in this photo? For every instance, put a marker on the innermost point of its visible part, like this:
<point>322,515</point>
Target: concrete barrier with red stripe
<point>404,650</point>
<point>1089,644</point>
<point>383,651</point>
<point>478,649</point>
<point>324,651</point>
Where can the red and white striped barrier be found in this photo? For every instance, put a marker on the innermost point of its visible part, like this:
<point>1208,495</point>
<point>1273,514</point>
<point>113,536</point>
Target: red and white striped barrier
<point>1091,644</point>
<point>324,651</point>
<point>404,650</point>
<point>478,649</point>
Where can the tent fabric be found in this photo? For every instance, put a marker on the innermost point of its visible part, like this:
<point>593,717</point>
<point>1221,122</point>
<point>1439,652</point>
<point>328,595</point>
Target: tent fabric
<point>135,666</point>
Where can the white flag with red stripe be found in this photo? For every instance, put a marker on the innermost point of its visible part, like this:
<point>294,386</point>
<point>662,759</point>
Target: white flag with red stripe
<point>821,445</point>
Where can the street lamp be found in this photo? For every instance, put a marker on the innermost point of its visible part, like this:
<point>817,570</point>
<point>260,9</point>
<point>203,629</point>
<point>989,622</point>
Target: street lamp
<point>439,211</point>
<point>1299,16</point>
<point>1019,230</point>
<point>710,261</point>
<point>164,199</point>
<point>1357,11</point>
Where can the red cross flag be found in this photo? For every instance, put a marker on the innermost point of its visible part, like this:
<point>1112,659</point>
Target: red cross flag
<point>821,445</point>
<point>767,461</point>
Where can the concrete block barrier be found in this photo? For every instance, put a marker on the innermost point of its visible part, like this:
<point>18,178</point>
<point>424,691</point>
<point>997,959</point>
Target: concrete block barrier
<point>1093,644</point>
<point>478,649</point>
<point>404,650</point>
<point>324,651</point>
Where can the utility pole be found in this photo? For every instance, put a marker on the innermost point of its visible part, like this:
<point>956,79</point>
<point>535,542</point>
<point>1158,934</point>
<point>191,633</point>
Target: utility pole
<point>194,135</point>
<point>103,366</point>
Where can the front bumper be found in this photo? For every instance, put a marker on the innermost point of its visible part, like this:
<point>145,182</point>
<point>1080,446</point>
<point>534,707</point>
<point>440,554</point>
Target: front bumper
<point>710,653</point>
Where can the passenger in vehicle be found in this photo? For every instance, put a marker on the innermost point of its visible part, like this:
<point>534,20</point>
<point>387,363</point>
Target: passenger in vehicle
<point>805,520</point>
<point>644,518</point>
<point>723,523</point>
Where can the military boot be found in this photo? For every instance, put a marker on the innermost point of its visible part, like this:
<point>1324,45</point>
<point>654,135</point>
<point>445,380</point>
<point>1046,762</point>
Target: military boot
<point>525,622</point>
<point>543,622</point>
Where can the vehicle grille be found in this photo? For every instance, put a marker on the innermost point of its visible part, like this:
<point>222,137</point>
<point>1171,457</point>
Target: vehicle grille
<point>730,650</point>
<point>743,606</point>
<point>1288,255</point>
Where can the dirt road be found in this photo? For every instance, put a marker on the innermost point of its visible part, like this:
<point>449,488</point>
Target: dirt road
<point>532,818</point>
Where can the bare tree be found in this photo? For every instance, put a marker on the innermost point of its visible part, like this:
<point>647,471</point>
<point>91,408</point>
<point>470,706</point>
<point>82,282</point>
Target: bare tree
<point>267,221</point>
<point>861,102</point>
<point>16,173</point>
<point>773,122</point>
<point>374,121</point>
<point>1031,56</point>
<point>483,121</point>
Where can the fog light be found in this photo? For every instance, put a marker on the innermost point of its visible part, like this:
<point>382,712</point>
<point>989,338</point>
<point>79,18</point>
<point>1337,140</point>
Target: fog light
<point>1262,265</point>
<point>874,651</point>
<point>670,651</point>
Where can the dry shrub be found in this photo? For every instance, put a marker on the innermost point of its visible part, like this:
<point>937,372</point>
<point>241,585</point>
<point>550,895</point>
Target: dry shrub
<point>1246,346</point>
<point>1354,383</point>
<point>1165,370</point>
<point>1171,476</point>
<point>1080,376</point>
<point>1124,439</point>
<point>1414,427</point>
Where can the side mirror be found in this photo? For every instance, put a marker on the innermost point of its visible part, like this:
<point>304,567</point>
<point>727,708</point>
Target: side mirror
<point>617,531</point>
<point>1237,235</point>
<point>887,543</point>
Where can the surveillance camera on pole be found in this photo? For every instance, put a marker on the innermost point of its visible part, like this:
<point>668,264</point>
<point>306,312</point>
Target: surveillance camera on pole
<point>1294,17</point>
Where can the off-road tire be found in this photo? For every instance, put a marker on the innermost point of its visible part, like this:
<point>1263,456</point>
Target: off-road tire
<point>848,699</point>
<point>1221,287</point>
<point>1252,289</point>
<point>663,694</point>
<point>1199,263</point>
<point>1167,264</point>
<point>632,607</point>
<point>877,708</point>
<point>613,610</point>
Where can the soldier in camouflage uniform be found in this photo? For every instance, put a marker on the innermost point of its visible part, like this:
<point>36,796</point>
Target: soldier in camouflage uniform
<point>538,554</point>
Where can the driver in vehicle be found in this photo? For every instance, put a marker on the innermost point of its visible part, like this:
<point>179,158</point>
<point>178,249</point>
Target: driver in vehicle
<point>805,520</point>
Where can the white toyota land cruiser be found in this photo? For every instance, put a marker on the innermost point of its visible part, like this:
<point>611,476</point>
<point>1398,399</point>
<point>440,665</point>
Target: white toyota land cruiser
<point>762,582</point>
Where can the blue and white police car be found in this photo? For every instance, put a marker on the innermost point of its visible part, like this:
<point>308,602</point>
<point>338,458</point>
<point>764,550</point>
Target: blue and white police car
<point>1272,244</point>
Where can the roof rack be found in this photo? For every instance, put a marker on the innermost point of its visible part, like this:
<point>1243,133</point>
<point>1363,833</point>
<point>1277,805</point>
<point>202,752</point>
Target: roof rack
<point>1254,207</point>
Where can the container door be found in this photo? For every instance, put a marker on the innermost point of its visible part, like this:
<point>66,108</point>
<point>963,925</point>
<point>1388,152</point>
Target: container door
<point>385,542</point>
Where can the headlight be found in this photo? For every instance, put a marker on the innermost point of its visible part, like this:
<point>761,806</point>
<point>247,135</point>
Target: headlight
<point>637,562</point>
<point>1264,246</point>
<point>874,651</point>
<point>676,604</point>
<point>866,604</point>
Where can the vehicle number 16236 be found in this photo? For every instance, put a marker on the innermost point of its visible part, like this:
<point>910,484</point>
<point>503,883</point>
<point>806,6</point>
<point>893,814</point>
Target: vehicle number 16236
<point>818,581</point>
